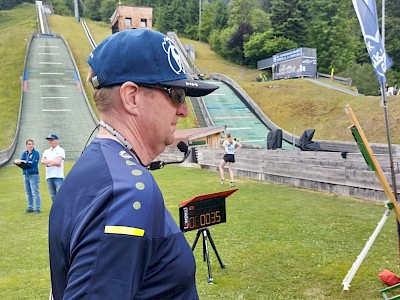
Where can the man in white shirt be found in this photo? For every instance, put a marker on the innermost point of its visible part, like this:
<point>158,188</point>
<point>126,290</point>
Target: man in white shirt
<point>53,158</point>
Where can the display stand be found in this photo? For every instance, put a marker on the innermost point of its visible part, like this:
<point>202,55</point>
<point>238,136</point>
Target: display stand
<point>206,254</point>
<point>392,204</point>
<point>389,290</point>
<point>201,212</point>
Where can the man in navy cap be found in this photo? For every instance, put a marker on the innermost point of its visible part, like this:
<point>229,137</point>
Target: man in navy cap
<point>53,158</point>
<point>110,234</point>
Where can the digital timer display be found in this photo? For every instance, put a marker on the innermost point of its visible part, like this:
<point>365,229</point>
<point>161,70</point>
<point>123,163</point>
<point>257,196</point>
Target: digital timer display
<point>203,211</point>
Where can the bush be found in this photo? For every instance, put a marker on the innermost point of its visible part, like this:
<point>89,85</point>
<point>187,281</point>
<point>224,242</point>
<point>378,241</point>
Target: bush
<point>364,78</point>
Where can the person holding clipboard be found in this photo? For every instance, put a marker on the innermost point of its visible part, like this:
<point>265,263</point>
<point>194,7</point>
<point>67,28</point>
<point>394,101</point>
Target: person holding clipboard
<point>29,165</point>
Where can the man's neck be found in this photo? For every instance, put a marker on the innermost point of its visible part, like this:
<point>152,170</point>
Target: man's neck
<point>107,130</point>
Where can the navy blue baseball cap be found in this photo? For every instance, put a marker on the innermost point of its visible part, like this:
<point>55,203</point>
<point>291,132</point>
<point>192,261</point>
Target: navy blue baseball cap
<point>142,56</point>
<point>52,136</point>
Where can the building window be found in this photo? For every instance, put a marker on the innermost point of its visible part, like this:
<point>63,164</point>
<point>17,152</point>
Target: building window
<point>128,22</point>
<point>143,23</point>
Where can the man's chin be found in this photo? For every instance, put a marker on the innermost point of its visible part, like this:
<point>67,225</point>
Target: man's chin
<point>170,140</point>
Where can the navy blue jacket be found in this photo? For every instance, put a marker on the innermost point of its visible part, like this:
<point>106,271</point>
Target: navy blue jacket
<point>111,236</point>
<point>32,160</point>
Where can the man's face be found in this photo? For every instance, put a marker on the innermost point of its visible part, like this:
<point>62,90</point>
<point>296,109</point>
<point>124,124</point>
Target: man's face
<point>53,143</point>
<point>161,116</point>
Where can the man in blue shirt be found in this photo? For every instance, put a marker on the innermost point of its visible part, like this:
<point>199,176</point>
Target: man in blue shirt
<point>110,234</point>
<point>29,164</point>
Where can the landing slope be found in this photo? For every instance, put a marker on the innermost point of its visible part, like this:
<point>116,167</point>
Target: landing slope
<point>52,100</point>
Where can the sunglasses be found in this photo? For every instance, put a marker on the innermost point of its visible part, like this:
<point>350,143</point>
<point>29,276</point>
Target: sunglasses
<point>176,95</point>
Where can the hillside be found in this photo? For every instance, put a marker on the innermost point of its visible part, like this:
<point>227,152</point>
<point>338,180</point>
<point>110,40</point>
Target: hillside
<point>294,105</point>
<point>16,27</point>
<point>298,104</point>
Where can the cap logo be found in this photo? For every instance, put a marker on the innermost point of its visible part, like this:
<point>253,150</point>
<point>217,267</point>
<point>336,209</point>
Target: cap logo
<point>174,59</point>
<point>191,83</point>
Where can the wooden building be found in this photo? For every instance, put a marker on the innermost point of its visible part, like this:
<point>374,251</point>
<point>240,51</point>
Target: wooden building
<point>127,17</point>
<point>204,136</point>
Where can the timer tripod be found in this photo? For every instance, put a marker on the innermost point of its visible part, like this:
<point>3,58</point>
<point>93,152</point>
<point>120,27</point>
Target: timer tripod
<point>206,255</point>
<point>200,213</point>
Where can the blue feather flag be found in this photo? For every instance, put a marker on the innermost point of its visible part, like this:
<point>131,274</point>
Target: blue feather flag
<point>368,18</point>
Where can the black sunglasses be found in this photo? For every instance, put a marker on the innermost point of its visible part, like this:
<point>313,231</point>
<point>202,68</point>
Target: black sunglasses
<point>177,95</point>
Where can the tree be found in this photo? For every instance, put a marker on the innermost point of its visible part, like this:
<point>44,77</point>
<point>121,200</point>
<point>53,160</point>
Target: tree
<point>215,41</point>
<point>107,9</point>
<point>265,5</point>
<point>392,46</point>
<point>392,29</point>
<point>219,41</point>
<point>330,33</point>
<point>161,18</point>
<point>91,9</point>
<point>259,20</point>
<point>60,7</point>
<point>245,31</point>
<point>265,45</point>
<point>8,4</point>
<point>214,17</point>
<point>236,43</point>
<point>240,11</point>
<point>363,77</point>
<point>170,17</point>
<point>289,19</point>
<point>191,18</point>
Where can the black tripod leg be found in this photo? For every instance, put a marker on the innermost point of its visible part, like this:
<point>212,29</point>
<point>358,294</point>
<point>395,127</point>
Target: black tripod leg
<point>196,239</point>
<point>207,255</point>
<point>215,248</point>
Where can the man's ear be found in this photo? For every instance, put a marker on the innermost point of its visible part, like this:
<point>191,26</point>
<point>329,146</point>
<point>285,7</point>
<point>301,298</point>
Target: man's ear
<point>129,97</point>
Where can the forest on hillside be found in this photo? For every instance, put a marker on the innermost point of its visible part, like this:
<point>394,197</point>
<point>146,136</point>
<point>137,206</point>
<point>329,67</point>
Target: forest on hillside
<point>245,31</point>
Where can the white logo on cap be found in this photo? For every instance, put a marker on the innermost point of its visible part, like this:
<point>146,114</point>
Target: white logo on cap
<point>174,59</point>
<point>191,83</point>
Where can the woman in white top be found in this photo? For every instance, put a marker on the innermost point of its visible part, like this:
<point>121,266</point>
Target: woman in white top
<point>230,147</point>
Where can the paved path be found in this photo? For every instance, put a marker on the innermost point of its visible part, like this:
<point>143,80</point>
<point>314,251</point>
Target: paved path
<point>53,101</point>
<point>334,87</point>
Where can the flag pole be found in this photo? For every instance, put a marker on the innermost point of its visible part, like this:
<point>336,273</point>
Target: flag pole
<point>392,173</point>
<point>394,186</point>
<point>384,103</point>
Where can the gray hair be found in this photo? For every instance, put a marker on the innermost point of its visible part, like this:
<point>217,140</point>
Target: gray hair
<point>103,97</point>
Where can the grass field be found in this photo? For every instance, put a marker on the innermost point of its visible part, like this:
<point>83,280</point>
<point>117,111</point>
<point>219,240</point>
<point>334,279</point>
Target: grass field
<point>278,242</point>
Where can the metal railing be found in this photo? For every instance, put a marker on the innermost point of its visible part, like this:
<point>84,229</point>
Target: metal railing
<point>89,35</point>
<point>43,22</point>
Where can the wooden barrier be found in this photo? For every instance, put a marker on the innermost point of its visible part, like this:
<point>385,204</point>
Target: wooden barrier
<point>341,80</point>
<point>322,171</point>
